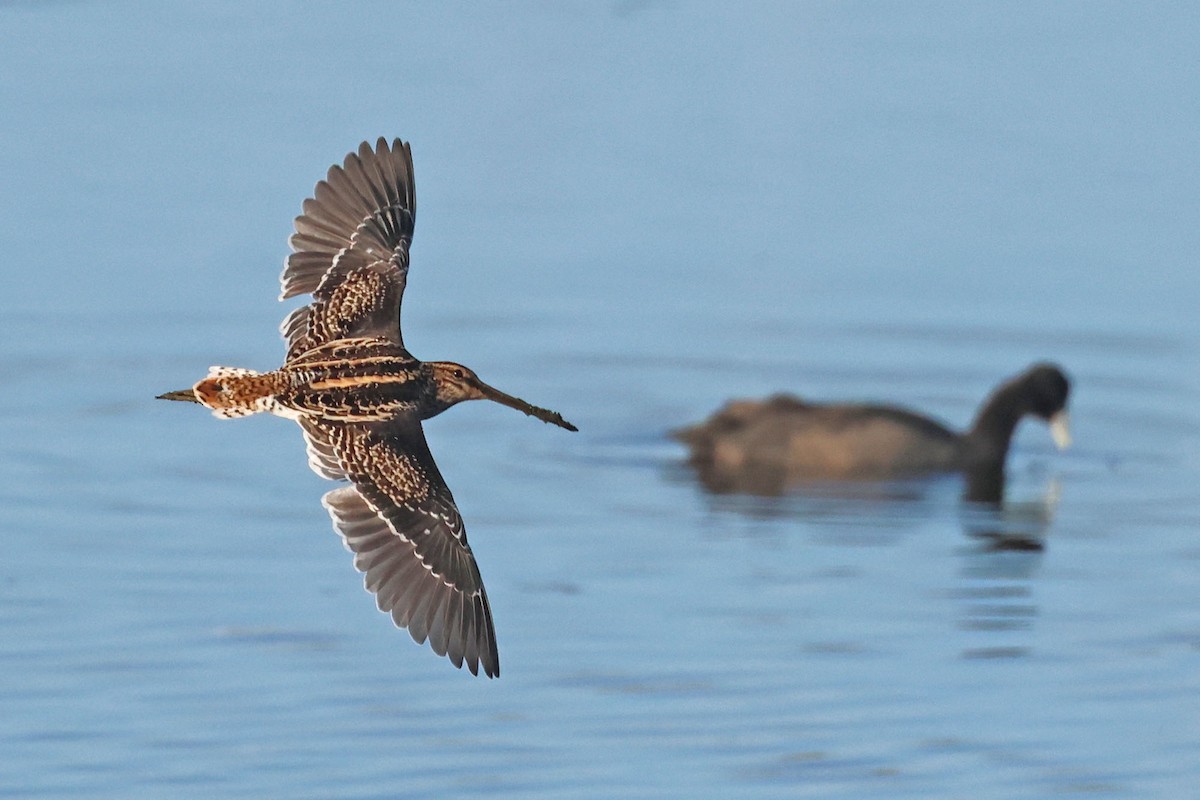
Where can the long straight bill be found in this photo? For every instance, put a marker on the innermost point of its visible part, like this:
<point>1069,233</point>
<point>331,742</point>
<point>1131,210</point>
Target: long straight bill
<point>544,414</point>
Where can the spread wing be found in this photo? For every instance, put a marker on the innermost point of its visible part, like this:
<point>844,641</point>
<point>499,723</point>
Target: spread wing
<point>400,521</point>
<point>351,250</point>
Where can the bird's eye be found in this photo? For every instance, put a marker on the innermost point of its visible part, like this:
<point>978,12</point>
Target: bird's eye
<point>458,373</point>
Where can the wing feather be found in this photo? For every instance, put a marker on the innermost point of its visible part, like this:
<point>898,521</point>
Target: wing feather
<point>351,249</point>
<point>399,519</point>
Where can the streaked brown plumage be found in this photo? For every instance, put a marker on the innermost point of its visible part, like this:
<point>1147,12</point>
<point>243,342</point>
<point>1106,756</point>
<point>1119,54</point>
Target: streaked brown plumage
<point>360,397</point>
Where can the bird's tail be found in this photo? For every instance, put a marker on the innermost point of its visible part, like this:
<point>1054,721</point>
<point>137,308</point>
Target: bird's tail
<point>232,392</point>
<point>182,395</point>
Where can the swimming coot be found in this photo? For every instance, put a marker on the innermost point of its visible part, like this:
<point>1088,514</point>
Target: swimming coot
<point>768,446</point>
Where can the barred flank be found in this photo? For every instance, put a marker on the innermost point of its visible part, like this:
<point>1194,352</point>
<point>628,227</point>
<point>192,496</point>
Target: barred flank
<point>235,392</point>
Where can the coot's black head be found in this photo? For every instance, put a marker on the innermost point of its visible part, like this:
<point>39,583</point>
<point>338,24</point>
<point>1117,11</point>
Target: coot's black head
<point>1040,391</point>
<point>1045,388</point>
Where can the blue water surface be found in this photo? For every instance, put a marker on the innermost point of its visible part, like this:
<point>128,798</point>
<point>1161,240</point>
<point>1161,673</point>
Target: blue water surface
<point>630,212</point>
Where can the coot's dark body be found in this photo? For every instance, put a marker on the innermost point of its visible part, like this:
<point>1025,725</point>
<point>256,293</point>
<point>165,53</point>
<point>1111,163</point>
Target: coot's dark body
<point>768,446</point>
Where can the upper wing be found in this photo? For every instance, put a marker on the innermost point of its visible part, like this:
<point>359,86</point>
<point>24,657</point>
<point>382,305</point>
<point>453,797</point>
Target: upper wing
<point>400,521</point>
<point>351,249</point>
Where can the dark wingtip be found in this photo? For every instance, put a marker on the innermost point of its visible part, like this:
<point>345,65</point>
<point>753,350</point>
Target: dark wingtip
<point>183,395</point>
<point>488,664</point>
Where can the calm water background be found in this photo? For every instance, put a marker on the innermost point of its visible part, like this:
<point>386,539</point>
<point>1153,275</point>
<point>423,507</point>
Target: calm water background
<point>629,211</point>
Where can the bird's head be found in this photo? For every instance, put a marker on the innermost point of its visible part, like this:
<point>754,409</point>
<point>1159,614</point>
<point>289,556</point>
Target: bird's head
<point>456,383</point>
<point>1046,390</point>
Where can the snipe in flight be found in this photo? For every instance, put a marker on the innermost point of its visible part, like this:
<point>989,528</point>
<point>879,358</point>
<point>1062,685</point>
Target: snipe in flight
<point>359,397</point>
